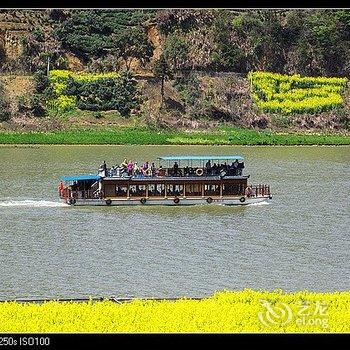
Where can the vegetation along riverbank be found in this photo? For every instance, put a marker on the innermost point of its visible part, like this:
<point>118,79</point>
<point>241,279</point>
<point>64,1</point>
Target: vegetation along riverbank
<point>240,311</point>
<point>148,136</point>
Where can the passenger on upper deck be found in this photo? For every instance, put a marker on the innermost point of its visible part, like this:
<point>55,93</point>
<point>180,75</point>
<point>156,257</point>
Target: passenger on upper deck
<point>186,171</point>
<point>240,168</point>
<point>234,166</point>
<point>130,167</point>
<point>160,171</point>
<point>144,168</point>
<point>153,169</point>
<point>124,164</point>
<point>136,170</point>
<point>175,169</point>
<point>102,171</point>
<point>208,167</point>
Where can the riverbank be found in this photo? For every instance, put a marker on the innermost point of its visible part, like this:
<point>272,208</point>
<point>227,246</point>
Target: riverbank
<point>240,311</point>
<point>148,136</point>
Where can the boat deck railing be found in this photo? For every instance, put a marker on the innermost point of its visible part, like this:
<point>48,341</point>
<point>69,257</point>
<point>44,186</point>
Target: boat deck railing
<point>259,191</point>
<point>170,172</point>
<point>174,178</point>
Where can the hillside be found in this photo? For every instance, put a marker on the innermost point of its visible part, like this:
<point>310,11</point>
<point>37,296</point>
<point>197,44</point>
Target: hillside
<point>185,68</point>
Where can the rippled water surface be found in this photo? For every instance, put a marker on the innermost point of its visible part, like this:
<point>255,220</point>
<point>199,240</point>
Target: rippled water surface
<point>298,241</point>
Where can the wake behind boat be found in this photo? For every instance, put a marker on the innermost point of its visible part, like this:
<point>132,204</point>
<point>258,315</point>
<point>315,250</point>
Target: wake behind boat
<point>184,180</point>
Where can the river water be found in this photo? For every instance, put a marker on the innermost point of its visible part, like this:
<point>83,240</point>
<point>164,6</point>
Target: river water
<point>299,241</point>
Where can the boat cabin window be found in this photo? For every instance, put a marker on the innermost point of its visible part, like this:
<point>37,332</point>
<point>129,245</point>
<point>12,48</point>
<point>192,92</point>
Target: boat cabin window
<point>175,190</point>
<point>137,190</point>
<point>232,189</point>
<point>121,191</point>
<point>156,190</point>
<point>212,190</point>
<point>194,190</point>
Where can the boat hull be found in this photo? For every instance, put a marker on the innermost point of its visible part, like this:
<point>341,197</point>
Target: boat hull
<point>166,201</point>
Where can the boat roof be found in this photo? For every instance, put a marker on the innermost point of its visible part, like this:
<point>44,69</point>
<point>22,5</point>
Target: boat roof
<point>81,177</point>
<point>174,158</point>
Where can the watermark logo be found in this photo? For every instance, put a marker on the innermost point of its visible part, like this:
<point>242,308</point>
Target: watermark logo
<point>307,314</point>
<point>279,313</point>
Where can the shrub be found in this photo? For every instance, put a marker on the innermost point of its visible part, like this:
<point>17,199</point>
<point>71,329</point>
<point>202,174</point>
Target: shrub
<point>95,92</point>
<point>58,82</point>
<point>33,105</point>
<point>4,105</point>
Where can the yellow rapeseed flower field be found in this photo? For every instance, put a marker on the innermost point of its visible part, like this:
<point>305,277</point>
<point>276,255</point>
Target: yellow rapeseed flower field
<point>278,93</point>
<point>239,311</point>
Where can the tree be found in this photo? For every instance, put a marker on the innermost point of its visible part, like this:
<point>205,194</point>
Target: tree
<point>90,33</point>
<point>260,37</point>
<point>39,48</point>
<point>176,51</point>
<point>323,43</point>
<point>133,43</point>
<point>227,54</point>
<point>161,69</point>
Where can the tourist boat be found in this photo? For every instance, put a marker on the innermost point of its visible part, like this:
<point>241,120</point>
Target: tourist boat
<point>184,180</point>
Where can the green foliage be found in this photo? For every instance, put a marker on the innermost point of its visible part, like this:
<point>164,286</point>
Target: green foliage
<point>91,32</point>
<point>41,81</point>
<point>133,43</point>
<point>39,47</point>
<point>162,70</point>
<point>261,39</point>
<point>145,136</point>
<point>189,88</point>
<point>176,51</point>
<point>33,105</point>
<point>58,82</point>
<point>277,93</point>
<point>310,42</point>
<point>95,92</point>
<point>105,94</point>
<point>184,20</point>
<point>4,105</point>
<point>321,42</point>
<point>227,54</point>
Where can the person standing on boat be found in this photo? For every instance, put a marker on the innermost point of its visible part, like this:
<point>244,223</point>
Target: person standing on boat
<point>175,169</point>
<point>208,167</point>
<point>240,168</point>
<point>130,167</point>
<point>61,189</point>
<point>144,168</point>
<point>124,164</point>
<point>153,169</point>
<point>215,169</point>
<point>102,171</point>
<point>248,191</point>
<point>123,167</point>
<point>136,170</point>
<point>235,167</point>
<point>104,167</point>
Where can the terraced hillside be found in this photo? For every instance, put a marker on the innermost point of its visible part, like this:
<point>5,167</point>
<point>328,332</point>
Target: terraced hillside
<point>194,68</point>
